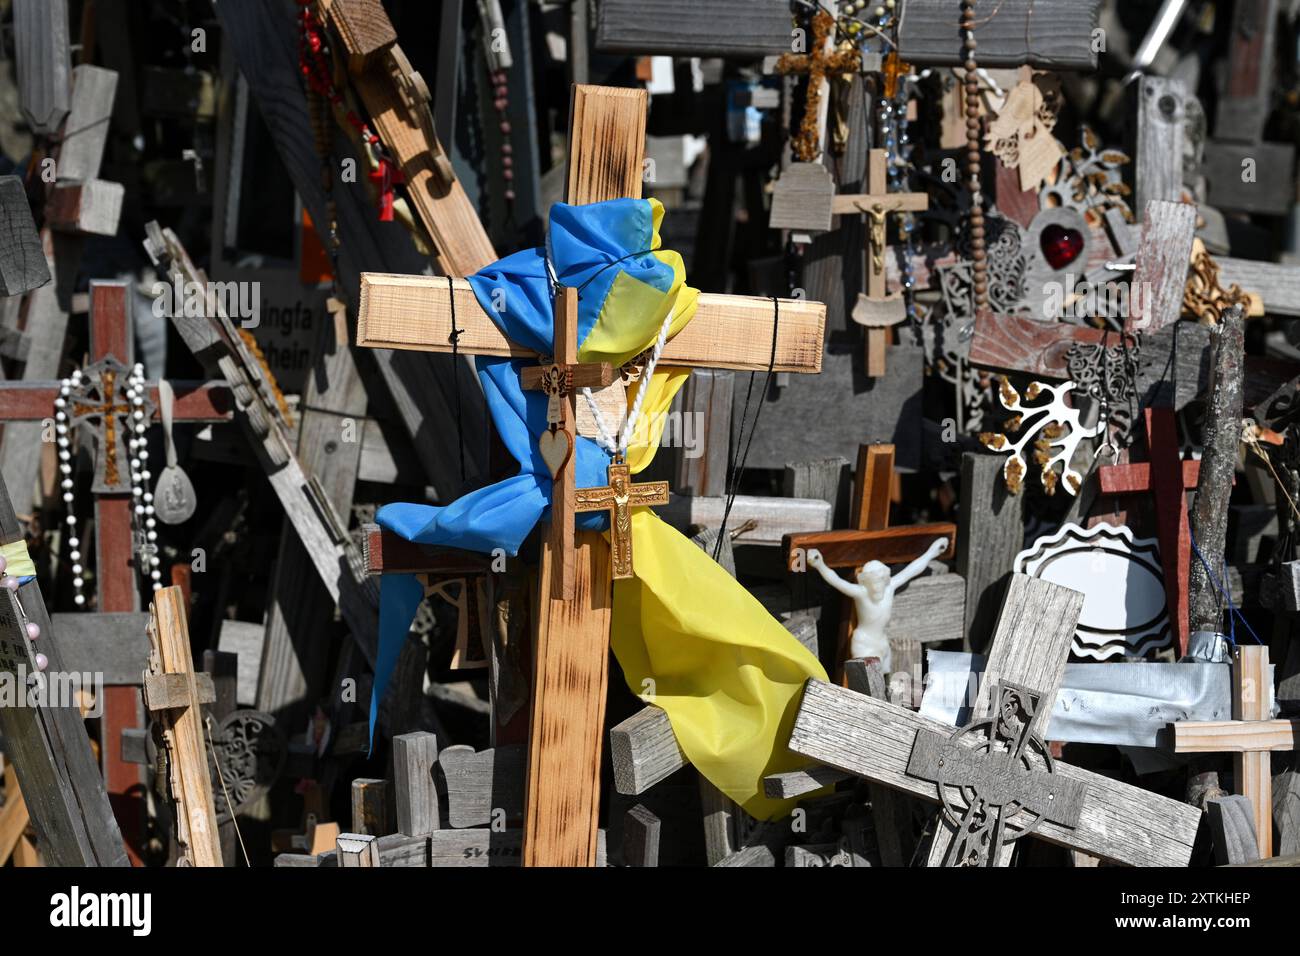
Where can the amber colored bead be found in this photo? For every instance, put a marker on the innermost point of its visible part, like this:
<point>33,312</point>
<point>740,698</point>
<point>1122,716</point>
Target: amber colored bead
<point>971,65</point>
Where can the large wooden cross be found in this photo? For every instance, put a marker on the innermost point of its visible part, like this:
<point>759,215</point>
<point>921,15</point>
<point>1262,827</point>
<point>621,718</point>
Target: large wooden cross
<point>116,573</point>
<point>1250,737</point>
<point>571,653</point>
<point>875,309</point>
<point>994,777</point>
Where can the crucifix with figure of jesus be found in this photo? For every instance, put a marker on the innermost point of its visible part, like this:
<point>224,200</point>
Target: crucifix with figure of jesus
<point>607,144</point>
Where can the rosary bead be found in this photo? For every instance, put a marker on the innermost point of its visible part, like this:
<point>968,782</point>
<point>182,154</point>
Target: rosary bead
<point>33,630</point>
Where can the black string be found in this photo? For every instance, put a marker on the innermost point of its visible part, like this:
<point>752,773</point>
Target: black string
<point>734,473</point>
<point>454,338</point>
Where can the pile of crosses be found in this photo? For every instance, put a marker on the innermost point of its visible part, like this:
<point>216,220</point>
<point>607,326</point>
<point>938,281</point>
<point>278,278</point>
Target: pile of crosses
<point>996,417</point>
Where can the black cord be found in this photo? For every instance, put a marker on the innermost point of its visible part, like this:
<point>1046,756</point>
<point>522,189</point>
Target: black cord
<point>735,474</point>
<point>454,338</point>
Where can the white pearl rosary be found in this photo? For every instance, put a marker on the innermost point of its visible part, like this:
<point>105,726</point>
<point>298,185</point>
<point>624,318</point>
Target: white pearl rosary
<point>142,498</point>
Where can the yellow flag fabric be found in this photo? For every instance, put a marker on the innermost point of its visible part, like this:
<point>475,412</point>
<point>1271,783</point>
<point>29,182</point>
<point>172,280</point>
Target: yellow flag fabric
<point>729,676</point>
<point>18,562</point>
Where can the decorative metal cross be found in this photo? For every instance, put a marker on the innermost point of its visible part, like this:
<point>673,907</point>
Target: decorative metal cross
<point>876,309</point>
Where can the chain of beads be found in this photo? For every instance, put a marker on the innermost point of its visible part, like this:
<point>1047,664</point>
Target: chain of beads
<point>32,628</point>
<point>141,496</point>
<point>851,19</point>
<point>979,255</point>
<point>501,103</point>
<point>63,439</point>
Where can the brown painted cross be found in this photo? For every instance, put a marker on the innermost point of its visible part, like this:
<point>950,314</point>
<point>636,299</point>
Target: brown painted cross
<point>1167,477</point>
<point>875,309</point>
<point>110,342</point>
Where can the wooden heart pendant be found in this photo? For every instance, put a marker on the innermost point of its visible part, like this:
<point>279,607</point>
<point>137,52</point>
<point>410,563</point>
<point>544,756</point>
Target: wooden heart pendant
<point>556,447</point>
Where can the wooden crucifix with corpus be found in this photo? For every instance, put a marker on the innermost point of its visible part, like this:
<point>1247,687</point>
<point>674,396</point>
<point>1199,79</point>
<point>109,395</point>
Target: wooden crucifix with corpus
<point>607,141</point>
<point>875,309</point>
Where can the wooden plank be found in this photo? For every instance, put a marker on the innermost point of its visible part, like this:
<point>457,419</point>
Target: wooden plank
<point>86,133</point>
<point>643,751</point>
<point>1228,736</point>
<point>754,28</point>
<point>704,404</point>
<point>571,673</point>
<point>890,814</point>
<point>1277,284</point>
<point>1246,84</point>
<point>1250,177</point>
<point>22,263</point>
<point>444,209</point>
<point>846,549</point>
<point>191,783</point>
<point>195,401</point>
<point>385,552</point>
<point>370,798</point>
<point>641,833</point>
<point>929,610</point>
<point>364,28</point>
<point>1161,115</point>
<point>92,208</point>
<point>606,143</point>
<point>1055,35</point>
<point>414,313</point>
<point>874,739</point>
<point>773,518</point>
<point>1164,251</point>
<point>796,783</point>
<point>358,850</point>
<point>44,67</point>
<point>455,848</point>
<point>50,750</point>
<point>991,535</point>
<point>1252,686</point>
<point>414,757</point>
<point>485,788</point>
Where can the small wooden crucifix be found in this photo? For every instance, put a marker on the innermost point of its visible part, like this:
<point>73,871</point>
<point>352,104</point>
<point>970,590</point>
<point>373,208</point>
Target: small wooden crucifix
<point>875,309</point>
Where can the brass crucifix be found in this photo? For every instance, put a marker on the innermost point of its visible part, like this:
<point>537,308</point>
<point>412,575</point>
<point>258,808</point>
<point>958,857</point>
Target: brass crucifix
<point>618,497</point>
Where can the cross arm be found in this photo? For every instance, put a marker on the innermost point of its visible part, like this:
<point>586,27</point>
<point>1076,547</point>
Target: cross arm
<point>195,401</point>
<point>874,739</point>
<point>1135,478</point>
<point>1235,736</point>
<point>851,549</point>
<point>728,332</point>
<point>890,202</point>
<point>388,553</point>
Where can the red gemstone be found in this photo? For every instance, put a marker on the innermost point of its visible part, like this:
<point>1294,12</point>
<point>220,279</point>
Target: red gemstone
<point>1060,246</point>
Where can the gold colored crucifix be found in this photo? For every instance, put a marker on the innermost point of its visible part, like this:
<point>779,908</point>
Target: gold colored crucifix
<point>876,309</point>
<point>618,498</point>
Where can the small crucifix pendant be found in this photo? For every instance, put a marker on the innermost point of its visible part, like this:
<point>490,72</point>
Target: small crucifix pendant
<point>618,498</point>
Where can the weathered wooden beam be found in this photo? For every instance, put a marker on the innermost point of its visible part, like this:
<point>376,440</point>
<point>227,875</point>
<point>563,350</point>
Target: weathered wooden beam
<point>754,28</point>
<point>92,208</point>
<point>22,263</point>
<point>1221,437</point>
<point>641,833</point>
<point>387,553</point>
<point>852,549</point>
<point>1059,35</point>
<point>181,715</point>
<point>85,135</point>
<point>1158,147</point>
<point>415,312</point>
<point>416,797</point>
<point>773,519</point>
<point>41,42</point>
<point>195,401</point>
<point>1250,177</point>
<point>48,745</point>
<point>644,750</point>
<point>485,788</point>
<point>1164,251</point>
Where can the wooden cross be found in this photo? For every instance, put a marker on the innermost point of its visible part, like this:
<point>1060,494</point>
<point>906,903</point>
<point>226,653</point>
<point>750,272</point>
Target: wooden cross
<point>48,745</point>
<point>871,538</point>
<point>116,575</point>
<point>1250,737</point>
<point>875,309</point>
<point>572,647</point>
<point>174,691</point>
<point>1167,477</point>
<point>869,519</point>
<point>988,794</point>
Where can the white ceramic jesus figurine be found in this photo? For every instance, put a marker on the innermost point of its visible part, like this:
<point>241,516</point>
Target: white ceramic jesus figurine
<point>873,599</point>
